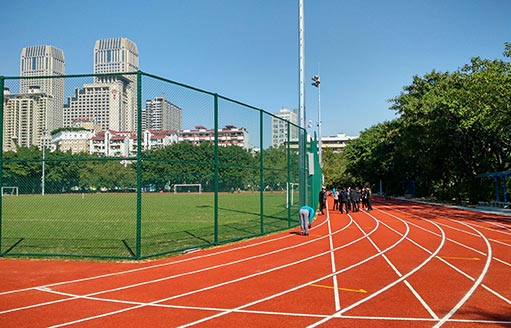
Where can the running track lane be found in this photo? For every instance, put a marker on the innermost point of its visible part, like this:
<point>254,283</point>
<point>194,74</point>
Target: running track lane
<point>404,264</point>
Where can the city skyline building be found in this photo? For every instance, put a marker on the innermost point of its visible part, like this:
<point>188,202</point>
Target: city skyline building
<point>108,104</point>
<point>45,60</point>
<point>279,134</point>
<point>25,117</point>
<point>115,55</point>
<point>161,114</point>
<point>111,100</point>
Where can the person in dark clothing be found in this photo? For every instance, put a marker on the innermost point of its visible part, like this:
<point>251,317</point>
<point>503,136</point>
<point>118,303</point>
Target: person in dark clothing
<point>348,191</point>
<point>369,195</point>
<point>343,199</point>
<point>354,198</point>
<point>363,195</point>
<point>322,200</point>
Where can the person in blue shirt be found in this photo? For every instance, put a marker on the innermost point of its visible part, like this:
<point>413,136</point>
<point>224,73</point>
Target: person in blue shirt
<point>306,215</point>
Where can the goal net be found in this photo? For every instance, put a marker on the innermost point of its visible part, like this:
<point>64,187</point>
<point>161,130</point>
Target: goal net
<point>188,188</point>
<point>9,191</point>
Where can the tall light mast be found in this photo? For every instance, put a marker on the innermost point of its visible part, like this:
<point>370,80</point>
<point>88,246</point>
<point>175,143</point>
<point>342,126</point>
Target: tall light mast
<point>301,110</point>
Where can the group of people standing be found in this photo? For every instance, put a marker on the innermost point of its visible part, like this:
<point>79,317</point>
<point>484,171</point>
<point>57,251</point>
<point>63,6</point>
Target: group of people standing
<point>347,199</point>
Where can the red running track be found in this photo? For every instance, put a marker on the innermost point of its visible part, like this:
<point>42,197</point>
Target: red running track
<point>404,264</point>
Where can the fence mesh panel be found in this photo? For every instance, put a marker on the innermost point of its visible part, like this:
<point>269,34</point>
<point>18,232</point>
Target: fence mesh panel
<point>134,165</point>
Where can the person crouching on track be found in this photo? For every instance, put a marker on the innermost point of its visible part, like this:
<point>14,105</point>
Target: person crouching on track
<point>306,215</point>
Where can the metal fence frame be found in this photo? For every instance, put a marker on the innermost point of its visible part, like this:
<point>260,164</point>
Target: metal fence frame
<point>310,178</point>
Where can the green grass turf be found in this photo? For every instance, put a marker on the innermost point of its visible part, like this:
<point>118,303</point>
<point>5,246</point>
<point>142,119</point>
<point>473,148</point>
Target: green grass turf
<point>105,225</point>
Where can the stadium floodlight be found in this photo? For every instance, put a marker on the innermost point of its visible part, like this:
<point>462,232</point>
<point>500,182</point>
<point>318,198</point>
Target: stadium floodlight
<point>317,82</point>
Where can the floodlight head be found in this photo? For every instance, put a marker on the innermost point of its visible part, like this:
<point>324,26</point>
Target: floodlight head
<point>316,80</point>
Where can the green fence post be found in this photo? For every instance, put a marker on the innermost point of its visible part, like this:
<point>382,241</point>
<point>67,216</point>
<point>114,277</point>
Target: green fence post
<point>289,190</point>
<point>139,166</point>
<point>216,170</point>
<point>2,84</point>
<point>304,181</point>
<point>315,188</point>
<point>261,172</point>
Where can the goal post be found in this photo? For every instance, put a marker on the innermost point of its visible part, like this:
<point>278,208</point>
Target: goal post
<point>188,188</point>
<point>9,191</point>
<point>290,193</point>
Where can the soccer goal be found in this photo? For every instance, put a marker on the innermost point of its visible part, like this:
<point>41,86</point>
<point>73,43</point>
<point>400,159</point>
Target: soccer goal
<point>291,189</point>
<point>188,188</point>
<point>9,191</point>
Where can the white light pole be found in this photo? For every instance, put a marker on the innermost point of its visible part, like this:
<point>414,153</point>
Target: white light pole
<point>317,83</point>
<point>301,102</point>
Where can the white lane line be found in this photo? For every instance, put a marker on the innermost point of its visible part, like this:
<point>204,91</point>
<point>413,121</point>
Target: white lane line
<point>488,220</point>
<point>227,283</point>
<point>474,286</point>
<point>410,287</point>
<point>317,280</point>
<point>488,258</point>
<point>507,300</point>
<point>450,227</point>
<point>385,288</point>
<point>156,266</point>
<point>498,229</point>
<point>292,314</point>
<point>455,241</point>
<point>337,300</point>
<point>45,288</point>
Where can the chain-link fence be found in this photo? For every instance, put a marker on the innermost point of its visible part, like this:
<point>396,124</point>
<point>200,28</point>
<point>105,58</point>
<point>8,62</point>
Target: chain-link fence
<point>134,165</point>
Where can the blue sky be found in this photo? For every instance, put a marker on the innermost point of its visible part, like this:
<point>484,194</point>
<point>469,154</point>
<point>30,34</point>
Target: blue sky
<point>365,51</point>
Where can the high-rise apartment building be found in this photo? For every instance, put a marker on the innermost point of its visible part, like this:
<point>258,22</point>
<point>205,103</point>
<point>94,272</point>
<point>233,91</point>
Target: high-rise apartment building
<point>118,55</point>
<point>24,119</point>
<point>279,134</point>
<point>45,61</point>
<point>111,100</point>
<point>161,114</point>
<point>105,103</point>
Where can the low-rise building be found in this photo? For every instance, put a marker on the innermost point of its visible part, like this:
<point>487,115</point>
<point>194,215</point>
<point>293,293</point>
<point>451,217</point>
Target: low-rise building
<point>75,141</point>
<point>336,143</point>
<point>230,135</point>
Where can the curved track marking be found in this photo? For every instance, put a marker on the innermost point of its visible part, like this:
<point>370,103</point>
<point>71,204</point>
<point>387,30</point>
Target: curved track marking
<point>410,287</point>
<point>314,281</point>
<point>339,312</point>
<point>337,300</point>
<point>474,286</point>
<point>503,298</point>
<point>381,290</point>
<point>46,288</point>
<point>157,266</point>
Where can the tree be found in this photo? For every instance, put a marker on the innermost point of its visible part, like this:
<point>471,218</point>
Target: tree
<point>451,127</point>
<point>334,168</point>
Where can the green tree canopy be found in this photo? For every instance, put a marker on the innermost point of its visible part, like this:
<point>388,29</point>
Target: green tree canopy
<point>450,127</point>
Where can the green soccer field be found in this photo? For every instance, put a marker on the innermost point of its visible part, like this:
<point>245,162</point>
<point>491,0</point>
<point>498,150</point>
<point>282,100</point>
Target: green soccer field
<point>106,225</point>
